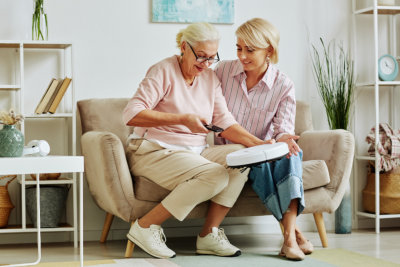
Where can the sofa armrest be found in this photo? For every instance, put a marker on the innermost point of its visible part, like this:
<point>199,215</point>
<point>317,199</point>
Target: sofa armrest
<point>107,173</point>
<point>336,148</point>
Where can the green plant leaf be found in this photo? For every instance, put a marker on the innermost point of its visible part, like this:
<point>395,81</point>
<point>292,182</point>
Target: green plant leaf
<point>334,76</point>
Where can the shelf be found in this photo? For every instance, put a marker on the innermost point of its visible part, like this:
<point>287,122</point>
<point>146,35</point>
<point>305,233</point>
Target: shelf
<point>9,87</point>
<point>380,83</point>
<point>382,10</point>
<point>381,216</point>
<point>34,44</point>
<point>45,116</point>
<point>63,227</point>
<point>30,181</point>
<point>365,158</point>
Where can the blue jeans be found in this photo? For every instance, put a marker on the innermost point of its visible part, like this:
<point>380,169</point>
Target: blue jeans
<point>278,182</point>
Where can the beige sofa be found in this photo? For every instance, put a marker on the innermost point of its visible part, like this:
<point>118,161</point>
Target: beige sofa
<point>327,163</point>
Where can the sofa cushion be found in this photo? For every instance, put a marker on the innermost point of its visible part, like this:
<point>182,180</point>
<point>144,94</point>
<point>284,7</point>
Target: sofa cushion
<point>315,174</point>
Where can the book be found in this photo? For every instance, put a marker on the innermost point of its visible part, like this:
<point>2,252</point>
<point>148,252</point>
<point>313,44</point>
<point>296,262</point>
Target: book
<point>46,96</point>
<point>53,96</point>
<point>60,94</point>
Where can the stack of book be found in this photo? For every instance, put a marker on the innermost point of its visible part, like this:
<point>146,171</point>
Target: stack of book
<point>53,95</point>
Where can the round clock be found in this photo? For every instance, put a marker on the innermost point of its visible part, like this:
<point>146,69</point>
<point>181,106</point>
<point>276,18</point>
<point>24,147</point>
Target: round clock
<point>388,68</point>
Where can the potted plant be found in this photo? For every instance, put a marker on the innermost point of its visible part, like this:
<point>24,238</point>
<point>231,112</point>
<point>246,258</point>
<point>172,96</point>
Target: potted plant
<point>334,75</point>
<point>39,21</point>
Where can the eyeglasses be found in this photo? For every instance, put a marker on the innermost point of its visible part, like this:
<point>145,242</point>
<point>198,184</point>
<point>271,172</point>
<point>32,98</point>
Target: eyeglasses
<point>211,60</point>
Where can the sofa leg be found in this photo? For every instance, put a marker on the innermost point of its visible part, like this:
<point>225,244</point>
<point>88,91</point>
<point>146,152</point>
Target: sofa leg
<point>129,247</point>
<point>319,221</point>
<point>106,227</point>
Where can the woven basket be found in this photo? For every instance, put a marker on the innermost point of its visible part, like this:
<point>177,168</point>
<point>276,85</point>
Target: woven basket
<point>5,202</point>
<point>389,194</point>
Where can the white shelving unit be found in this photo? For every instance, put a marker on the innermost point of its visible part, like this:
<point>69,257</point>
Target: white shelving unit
<point>375,15</point>
<point>24,100</point>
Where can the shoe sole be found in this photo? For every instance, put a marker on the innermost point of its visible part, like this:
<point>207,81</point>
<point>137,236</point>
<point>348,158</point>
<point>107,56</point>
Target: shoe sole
<point>132,239</point>
<point>209,252</point>
<point>292,259</point>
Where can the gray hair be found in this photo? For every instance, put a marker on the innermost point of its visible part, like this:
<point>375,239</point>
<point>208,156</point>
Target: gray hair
<point>197,32</point>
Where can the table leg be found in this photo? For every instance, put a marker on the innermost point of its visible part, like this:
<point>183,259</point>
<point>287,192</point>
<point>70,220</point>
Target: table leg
<point>39,240</point>
<point>81,217</point>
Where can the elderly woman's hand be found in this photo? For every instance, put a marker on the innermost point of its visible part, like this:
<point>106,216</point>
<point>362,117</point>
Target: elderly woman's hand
<point>195,123</point>
<point>290,141</point>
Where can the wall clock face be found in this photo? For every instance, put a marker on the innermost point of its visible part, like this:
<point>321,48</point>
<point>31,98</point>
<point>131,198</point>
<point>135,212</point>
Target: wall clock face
<point>388,68</point>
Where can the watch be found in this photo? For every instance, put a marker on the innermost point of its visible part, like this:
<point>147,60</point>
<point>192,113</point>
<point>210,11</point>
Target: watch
<point>388,68</point>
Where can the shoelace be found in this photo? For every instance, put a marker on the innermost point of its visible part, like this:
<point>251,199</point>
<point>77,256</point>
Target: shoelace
<point>159,236</point>
<point>221,237</point>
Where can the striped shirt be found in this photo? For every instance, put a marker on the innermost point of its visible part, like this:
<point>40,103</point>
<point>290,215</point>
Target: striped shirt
<point>268,109</point>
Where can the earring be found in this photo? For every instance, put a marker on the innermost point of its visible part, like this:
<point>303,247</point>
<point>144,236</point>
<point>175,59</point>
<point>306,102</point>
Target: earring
<point>182,54</point>
<point>268,59</point>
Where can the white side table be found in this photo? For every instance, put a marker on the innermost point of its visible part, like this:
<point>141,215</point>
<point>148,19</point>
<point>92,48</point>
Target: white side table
<point>49,164</point>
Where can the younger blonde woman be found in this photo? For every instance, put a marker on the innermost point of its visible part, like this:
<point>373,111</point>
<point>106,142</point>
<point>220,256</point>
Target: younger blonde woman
<point>262,100</point>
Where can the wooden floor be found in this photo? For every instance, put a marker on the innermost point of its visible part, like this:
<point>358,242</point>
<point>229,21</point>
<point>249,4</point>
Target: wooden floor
<point>385,245</point>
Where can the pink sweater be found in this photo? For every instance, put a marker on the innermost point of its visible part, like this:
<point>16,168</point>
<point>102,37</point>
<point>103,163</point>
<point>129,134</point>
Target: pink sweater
<point>164,90</point>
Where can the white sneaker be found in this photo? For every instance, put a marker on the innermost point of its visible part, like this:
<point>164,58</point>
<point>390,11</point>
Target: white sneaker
<point>216,243</point>
<point>152,240</point>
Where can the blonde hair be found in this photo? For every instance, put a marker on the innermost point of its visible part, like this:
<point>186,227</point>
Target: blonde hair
<point>197,32</point>
<point>260,33</point>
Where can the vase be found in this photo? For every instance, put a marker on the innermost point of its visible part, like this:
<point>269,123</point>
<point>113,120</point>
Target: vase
<point>343,214</point>
<point>11,141</point>
<point>39,21</point>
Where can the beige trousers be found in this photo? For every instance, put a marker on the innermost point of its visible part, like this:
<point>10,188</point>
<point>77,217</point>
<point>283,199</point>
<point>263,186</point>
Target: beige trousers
<point>191,178</point>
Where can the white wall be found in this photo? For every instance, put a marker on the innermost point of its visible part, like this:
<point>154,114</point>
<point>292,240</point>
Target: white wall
<point>115,43</point>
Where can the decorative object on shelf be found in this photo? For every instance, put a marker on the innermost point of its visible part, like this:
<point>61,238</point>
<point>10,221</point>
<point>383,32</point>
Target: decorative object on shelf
<point>46,176</point>
<point>389,175</point>
<point>388,68</point>
<point>11,139</point>
<point>40,30</point>
<point>388,146</point>
<point>5,202</point>
<point>36,148</point>
<point>389,192</point>
<point>334,75</point>
<point>386,2</point>
<point>52,204</point>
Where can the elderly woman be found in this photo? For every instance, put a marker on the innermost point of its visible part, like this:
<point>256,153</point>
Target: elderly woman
<point>174,102</point>
<point>262,100</point>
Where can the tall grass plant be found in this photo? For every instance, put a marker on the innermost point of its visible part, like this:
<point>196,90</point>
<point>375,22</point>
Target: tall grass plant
<point>334,75</point>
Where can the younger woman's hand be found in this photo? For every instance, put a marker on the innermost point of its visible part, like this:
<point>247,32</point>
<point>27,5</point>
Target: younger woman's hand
<point>270,141</point>
<point>290,140</point>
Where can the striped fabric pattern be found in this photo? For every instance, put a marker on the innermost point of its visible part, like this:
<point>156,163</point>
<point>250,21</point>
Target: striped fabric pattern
<point>268,109</point>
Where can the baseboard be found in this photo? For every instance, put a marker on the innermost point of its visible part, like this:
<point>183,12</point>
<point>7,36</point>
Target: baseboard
<point>174,228</point>
<point>369,223</point>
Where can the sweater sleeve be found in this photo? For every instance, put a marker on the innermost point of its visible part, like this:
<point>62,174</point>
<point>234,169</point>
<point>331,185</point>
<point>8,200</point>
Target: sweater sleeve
<point>222,117</point>
<point>150,92</point>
